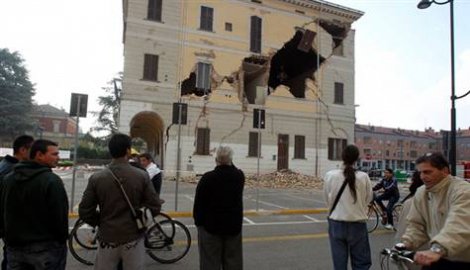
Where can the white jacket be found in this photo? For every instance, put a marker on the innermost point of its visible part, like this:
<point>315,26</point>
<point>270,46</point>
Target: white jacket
<point>347,209</point>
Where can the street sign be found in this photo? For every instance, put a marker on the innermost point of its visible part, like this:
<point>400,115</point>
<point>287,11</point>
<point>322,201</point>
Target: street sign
<point>78,103</point>
<point>258,118</point>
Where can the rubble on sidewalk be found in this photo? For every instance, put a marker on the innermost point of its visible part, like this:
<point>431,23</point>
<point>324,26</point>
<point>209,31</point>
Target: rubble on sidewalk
<point>279,179</point>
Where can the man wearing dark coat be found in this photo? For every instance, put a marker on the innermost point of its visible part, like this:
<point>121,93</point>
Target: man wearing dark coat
<point>218,214</point>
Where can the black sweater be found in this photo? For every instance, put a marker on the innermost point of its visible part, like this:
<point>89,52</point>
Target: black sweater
<point>218,205</point>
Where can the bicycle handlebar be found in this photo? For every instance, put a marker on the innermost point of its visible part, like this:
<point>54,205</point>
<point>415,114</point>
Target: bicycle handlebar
<point>399,255</point>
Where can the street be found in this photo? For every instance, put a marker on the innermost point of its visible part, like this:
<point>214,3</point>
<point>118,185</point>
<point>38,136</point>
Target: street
<point>270,242</point>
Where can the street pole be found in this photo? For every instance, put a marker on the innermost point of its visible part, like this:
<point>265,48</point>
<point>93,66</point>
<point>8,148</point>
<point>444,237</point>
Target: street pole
<point>178,155</point>
<point>72,197</point>
<point>453,143</point>
<point>259,155</point>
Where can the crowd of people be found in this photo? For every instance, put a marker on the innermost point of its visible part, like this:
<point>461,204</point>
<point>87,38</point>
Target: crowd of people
<point>34,210</point>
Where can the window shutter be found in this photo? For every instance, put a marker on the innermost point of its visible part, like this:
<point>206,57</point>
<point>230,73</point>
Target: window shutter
<point>154,11</point>
<point>150,67</point>
<point>255,34</point>
<point>203,77</point>
<point>339,93</point>
<point>253,144</point>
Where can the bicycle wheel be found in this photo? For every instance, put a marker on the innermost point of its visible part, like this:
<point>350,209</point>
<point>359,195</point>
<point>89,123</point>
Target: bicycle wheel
<point>397,209</point>
<point>83,242</point>
<point>175,248</point>
<point>372,219</point>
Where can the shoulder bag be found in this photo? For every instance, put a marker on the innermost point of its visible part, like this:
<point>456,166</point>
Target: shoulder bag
<point>139,216</point>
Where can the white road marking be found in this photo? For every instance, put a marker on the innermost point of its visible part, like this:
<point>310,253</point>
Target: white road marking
<point>248,220</point>
<point>312,218</point>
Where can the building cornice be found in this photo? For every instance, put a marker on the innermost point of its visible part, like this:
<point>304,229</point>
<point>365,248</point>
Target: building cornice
<point>327,7</point>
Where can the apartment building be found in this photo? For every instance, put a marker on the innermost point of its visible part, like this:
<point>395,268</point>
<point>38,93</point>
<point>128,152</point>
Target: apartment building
<point>292,59</point>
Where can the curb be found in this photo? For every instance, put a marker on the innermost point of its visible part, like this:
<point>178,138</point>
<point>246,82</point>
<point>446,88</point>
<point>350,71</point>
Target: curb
<point>247,213</point>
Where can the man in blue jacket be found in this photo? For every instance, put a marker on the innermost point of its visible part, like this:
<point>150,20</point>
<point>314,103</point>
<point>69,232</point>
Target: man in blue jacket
<point>390,192</point>
<point>34,211</point>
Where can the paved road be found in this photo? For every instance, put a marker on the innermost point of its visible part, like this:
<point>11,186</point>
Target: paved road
<point>270,242</point>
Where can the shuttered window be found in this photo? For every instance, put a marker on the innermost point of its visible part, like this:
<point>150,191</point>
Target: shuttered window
<point>154,10</point>
<point>253,144</point>
<point>150,67</point>
<point>203,141</point>
<point>207,17</point>
<point>335,148</point>
<point>203,76</point>
<point>255,34</point>
<point>339,93</point>
<point>299,146</point>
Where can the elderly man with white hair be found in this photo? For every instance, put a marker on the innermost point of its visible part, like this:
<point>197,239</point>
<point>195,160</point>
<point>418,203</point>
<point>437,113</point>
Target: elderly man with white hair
<point>218,214</point>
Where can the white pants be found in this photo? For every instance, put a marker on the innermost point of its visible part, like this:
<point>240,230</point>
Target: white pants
<point>131,253</point>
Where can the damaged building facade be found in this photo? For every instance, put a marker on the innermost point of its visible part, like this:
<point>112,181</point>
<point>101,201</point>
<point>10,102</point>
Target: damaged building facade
<point>294,59</point>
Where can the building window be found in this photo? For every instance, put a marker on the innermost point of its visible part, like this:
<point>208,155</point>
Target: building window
<point>339,93</point>
<point>56,126</point>
<point>154,10</point>
<point>151,67</point>
<point>253,144</point>
<point>299,146</point>
<point>203,141</point>
<point>335,148</point>
<point>367,140</point>
<point>339,49</point>
<point>255,34</point>
<point>387,153</point>
<point>203,76</point>
<point>413,144</point>
<point>207,18</point>
<point>400,143</point>
<point>228,27</point>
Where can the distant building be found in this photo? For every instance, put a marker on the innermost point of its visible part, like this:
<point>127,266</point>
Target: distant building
<point>383,147</point>
<point>54,124</point>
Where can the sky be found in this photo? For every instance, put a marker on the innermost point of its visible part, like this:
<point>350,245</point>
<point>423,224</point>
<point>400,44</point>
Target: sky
<point>402,56</point>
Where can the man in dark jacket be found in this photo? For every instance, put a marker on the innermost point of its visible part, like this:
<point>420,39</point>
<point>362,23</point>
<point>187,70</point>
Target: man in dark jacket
<point>34,211</point>
<point>390,192</point>
<point>119,236</point>
<point>21,147</point>
<point>218,214</point>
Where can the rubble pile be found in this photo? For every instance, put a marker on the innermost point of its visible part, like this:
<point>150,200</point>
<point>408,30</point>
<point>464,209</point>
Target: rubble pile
<point>284,179</point>
<point>279,179</point>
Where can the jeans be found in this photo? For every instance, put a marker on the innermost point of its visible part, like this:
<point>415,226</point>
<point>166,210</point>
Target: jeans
<point>37,256</point>
<point>349,239</point>
<point>218,252</point>
<point>392,200</point>
<point>131,255</point>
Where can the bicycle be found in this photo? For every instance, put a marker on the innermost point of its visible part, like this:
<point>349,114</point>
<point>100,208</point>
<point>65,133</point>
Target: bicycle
<point>376,214</point>
<point>166,240</point>
<point>398,257</point>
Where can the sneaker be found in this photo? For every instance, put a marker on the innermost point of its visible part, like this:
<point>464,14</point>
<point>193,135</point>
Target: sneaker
<point>389,227</point>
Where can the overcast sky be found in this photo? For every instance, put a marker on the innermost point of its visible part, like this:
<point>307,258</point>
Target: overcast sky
<point>402,56</point>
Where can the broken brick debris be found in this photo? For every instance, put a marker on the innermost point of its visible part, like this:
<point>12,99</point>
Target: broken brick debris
<point>283,179</point>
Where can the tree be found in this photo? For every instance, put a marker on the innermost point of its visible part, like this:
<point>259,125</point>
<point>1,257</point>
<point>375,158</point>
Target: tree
<point>108,116</point>
<point>16,93</point>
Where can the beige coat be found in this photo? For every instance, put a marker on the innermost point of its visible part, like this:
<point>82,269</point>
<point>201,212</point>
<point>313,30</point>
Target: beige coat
<point>441,214</point>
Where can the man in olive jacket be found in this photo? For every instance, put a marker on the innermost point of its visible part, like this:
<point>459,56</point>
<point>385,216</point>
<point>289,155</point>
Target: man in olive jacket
<point>119,237</point>
<point>218,214</point>
<point>34,211</point>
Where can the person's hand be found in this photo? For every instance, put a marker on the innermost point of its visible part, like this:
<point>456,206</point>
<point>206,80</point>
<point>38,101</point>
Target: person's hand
<point>426,257</point>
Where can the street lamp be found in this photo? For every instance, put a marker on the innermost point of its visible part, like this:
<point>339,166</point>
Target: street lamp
<point>452,153</point>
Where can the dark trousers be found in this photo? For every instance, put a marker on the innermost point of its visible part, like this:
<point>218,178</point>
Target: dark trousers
<point>392,200</point>
<point>349,239</point>
<point>218,252</point>
<point>444,264</point>
<point>37,256</point>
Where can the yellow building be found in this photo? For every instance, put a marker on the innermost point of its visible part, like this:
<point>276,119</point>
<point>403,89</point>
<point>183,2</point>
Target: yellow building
<point>294,59</point>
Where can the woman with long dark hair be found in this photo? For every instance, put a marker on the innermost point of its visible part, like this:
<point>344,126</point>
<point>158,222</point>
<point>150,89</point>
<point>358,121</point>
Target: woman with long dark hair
<point>348,193</point>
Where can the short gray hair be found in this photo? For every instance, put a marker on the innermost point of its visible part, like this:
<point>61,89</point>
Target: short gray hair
<point>224,155</point>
